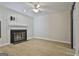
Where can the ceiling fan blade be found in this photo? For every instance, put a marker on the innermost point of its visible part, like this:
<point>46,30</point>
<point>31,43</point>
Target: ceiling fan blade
<point>30,4</point>
<point>44,10</point>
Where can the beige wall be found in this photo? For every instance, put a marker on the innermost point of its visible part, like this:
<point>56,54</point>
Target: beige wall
<point>54,26</point>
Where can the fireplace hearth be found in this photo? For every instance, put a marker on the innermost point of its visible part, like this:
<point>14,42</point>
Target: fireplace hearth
<point>18,36</point>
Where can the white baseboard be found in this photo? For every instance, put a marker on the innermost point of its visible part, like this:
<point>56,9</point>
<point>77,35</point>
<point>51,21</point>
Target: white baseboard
<point>4,44</point>
<point>29,38</point>
<point>51,39</point>
<point>38,38</point>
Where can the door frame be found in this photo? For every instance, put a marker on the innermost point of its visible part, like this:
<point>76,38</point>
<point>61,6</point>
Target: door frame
<point>72,24</point>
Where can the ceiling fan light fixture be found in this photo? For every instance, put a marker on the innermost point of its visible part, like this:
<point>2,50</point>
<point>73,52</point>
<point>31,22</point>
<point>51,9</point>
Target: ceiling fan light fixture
<point>36,10</point>
<point>38,6</point>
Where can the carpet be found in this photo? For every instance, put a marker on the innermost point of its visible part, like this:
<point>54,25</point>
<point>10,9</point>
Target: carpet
<point>38,47</point>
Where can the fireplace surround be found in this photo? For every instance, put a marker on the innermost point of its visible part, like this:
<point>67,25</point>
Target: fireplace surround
<point>18,36</point>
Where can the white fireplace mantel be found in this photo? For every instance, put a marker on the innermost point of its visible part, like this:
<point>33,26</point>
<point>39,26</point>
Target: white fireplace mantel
<point>17,25</point>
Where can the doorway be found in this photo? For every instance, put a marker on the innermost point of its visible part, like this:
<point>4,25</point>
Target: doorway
<point>72,24</point>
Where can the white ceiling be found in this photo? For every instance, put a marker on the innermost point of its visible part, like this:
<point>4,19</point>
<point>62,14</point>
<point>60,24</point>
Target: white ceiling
<point>46,7</point>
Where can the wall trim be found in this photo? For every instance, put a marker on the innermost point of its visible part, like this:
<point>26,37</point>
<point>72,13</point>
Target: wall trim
<point>52,40</point>
<point>28,38</point>
<point>38,38</point>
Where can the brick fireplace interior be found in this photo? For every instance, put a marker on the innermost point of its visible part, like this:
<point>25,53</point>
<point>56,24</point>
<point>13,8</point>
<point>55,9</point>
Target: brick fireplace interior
<point>18,36</point>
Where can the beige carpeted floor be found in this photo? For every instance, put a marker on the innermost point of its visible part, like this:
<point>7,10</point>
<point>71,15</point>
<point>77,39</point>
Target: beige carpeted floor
<point>38,47</point>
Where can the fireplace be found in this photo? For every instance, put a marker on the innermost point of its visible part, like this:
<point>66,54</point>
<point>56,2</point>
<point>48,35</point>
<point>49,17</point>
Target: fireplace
<point>18,36</point>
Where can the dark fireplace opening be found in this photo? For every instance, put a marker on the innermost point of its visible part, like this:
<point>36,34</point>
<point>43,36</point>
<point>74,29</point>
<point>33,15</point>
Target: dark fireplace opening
<point>18,36</point>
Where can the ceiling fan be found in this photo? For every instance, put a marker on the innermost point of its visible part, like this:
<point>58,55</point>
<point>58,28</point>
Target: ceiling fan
<point>36,6</point>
